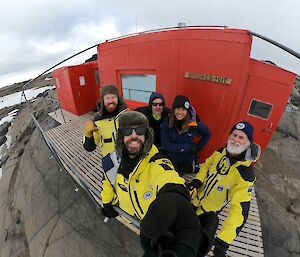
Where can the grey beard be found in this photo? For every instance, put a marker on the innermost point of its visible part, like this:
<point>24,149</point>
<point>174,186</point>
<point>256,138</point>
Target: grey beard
<point>236,150</point>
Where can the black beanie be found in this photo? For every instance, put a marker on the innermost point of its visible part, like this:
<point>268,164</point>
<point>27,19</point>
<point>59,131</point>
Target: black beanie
<point>181,101</point>
<point>246,127</point>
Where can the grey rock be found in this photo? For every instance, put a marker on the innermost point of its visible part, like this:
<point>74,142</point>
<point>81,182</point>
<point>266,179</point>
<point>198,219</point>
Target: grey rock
<point>3,140</point>
<point>280,235</point>
<point>289,124</point>
<point>4,128</point>
<point>295,207</point>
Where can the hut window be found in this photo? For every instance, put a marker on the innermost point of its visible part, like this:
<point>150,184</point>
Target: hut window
<point>82,81</point>
<point>260,109</point>
<point>138,87</point>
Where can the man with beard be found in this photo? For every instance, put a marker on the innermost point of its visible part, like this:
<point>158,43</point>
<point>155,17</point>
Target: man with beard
<point>226,177</point>
<point>103,128</point>
<point>144,184</point>
<point>155,112</point>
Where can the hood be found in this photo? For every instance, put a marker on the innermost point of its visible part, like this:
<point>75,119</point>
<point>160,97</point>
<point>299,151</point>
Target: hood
<point>154,96</point>
<point>134,119</point>
<point>253,152</point>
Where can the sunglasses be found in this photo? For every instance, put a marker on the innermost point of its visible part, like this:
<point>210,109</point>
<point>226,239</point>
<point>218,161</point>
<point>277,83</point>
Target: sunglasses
<point>128,131</point>
<point>157,104</point>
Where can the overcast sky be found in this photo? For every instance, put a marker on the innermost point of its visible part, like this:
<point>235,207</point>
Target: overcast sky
<point>36,34</point>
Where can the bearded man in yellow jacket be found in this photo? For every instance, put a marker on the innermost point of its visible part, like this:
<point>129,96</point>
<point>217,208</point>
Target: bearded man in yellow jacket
<point>143,183</point>
<point>227,177</point>
<point>103,128</point>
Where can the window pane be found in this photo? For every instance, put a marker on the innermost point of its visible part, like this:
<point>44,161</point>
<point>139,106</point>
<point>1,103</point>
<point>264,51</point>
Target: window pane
<point>138,87</point>
<point>260,109</point>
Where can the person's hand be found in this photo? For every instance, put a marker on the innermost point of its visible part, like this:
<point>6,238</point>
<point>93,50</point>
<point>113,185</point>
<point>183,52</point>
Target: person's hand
<point>194,184</point>
<point>90,127</point>
<point>108,211</point>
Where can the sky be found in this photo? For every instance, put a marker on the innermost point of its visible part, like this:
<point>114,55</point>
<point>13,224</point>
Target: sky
<point>35,35</point>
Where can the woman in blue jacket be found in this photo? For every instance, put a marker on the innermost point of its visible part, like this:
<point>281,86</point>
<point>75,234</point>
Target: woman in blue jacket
<point>180,135</point>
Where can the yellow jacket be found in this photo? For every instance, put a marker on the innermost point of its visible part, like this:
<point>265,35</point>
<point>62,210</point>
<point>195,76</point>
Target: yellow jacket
<point>135,194</point>
<point>224,183</point>
<point>105,135</point>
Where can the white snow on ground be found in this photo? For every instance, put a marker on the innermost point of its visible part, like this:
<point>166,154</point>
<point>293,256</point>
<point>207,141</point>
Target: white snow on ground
<point>17,98</point>
<point>10,116</point>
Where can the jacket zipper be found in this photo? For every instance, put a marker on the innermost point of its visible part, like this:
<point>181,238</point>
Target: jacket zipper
<point>227,194</point>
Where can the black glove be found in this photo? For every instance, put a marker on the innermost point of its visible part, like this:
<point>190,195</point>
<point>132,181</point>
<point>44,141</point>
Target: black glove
<point>108,211</point>
<point>164,241</point>
<point>220,248</point>
<point>171,211</point>
<point>195,183</point>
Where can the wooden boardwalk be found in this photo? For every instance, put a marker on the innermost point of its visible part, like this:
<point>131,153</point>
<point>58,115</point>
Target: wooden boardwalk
<point>85,168</point>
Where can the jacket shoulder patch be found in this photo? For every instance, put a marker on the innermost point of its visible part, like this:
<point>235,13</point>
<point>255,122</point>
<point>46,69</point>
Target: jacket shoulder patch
<point>247,173</point>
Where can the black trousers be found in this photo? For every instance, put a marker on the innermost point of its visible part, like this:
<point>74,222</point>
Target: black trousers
<point>209,222</point>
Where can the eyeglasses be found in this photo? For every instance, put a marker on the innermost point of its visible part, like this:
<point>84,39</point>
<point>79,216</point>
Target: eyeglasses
<point>128,131</point>
<point>157,104</point>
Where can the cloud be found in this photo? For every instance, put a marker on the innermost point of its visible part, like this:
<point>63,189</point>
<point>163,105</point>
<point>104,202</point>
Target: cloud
<point>37,34</point>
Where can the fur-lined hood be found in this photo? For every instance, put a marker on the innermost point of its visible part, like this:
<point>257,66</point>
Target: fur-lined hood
<point>131,119</point>
<point>253,152</point>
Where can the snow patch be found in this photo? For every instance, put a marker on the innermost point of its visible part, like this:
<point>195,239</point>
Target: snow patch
<point>16,98</point>
<point>10,116</point>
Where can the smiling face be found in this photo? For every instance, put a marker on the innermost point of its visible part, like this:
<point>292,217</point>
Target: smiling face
<point>237,142</point>
<point>134,144</point>
<point>157,106</point>
<point>110,102</point>
<point>180,113</point>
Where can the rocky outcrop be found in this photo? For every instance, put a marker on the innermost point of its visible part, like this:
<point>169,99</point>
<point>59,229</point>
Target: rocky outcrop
<point>278,189</point>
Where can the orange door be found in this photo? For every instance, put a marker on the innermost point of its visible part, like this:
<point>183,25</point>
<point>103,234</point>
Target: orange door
<point>266,96</point>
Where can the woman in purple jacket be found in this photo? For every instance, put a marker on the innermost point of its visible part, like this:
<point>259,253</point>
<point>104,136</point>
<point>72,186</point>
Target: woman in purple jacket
<point>180,135</point>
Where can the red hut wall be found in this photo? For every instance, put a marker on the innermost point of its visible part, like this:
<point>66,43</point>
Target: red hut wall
<point>78,87</point>
<point>171,54</point>
<point>210,66</point>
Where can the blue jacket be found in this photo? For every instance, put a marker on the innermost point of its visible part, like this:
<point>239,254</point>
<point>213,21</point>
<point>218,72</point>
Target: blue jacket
<point>182,147</point>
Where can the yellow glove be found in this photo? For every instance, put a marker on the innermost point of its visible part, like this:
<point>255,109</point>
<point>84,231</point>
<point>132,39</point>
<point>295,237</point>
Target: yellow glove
<point>193,193</point>
<point>90,127</point>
